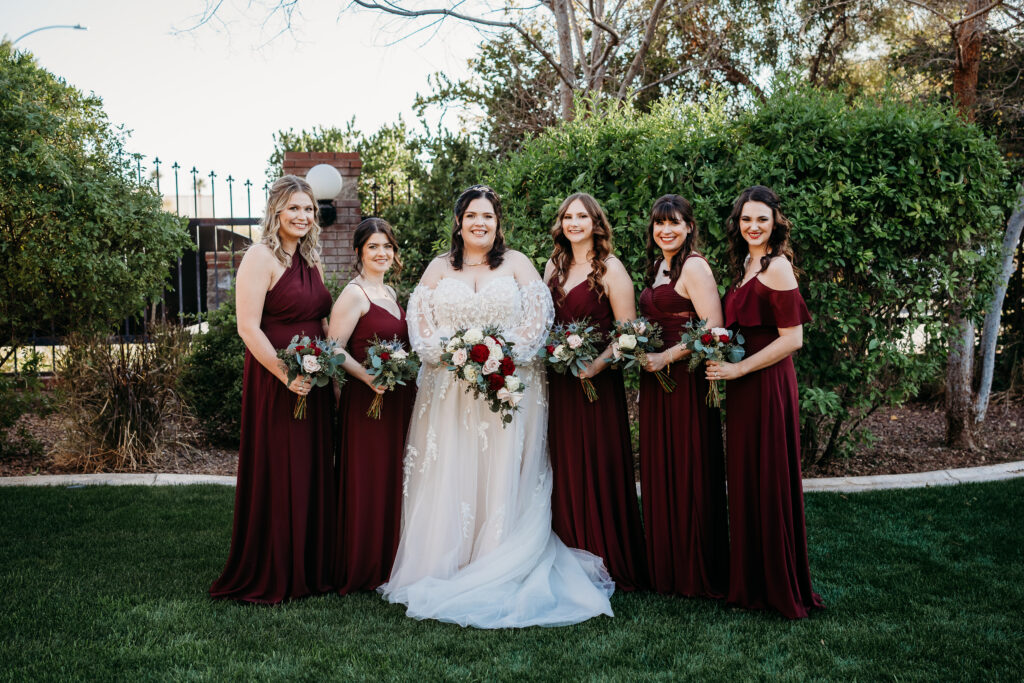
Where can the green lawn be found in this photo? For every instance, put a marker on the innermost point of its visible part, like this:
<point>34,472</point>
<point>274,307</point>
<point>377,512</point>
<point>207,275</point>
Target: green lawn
<point>109,583</point>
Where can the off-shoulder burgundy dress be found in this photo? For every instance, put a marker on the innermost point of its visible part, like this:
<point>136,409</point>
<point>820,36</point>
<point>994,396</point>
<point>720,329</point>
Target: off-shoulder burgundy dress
<point>370,464</point>
<point>769,566</point>
<point>282,544</point>
<point>593,499</point>
<point>682,473</point>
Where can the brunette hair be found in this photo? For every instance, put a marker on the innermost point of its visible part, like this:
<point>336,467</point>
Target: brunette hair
<point>778,241</point>
<point>373,226</point>
<point>670,207</point>
<point>561,255</point>
<point>497,253</point>
<point>280,192</point>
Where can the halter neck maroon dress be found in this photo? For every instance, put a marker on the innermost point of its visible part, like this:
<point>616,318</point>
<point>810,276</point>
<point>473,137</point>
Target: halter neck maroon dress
<point>282,544</point>
<point>682,473</point>
<point>769,567</point>
<point>370,464</point>
<point>593,499</point>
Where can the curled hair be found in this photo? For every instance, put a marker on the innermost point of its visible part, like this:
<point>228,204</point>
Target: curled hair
<point>280,193</point>
<point>778,241</point>
<point>455,252</point>
<point>367,228</point>
<point>670,207</point>
<point>561,255</point>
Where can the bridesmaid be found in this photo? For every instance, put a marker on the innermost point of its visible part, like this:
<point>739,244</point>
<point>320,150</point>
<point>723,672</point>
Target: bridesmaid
<point>593,501</point>
<point>769,567</point>
<point>682,472</point>
<point>370,459</point>
<point>282,544</point>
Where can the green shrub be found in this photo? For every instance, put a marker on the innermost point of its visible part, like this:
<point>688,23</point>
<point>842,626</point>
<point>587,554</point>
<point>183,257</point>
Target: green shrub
<point>121,401</point>
<point>895,207</point>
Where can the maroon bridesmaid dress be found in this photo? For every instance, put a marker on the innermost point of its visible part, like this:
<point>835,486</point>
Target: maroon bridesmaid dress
<point>370,464</point>
<point>282,544</point>
<point>769,567</point>
<point>593,499</point>
<point>682,473</point>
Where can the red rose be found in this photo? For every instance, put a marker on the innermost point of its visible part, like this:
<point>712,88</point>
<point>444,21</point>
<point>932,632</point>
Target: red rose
<point>507,366</point>
<point>551,349</point>
<point>316,351</point>
<point>706,338</point>
<point>495,381</point>
<point>479,353</point>
<point>299,349</point>
<point>724,338</point>
<point>384,355</point>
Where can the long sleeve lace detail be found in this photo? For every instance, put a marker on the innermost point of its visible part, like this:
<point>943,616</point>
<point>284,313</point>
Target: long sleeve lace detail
<point>529,332</point>
<point>424,332</point>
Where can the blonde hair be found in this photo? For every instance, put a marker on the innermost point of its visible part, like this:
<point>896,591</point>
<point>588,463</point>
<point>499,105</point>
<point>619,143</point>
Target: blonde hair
<point>280,192</point>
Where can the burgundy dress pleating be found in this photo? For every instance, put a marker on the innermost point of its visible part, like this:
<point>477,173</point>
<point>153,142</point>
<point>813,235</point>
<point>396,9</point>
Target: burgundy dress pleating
<point>682,472</point>
<point>593,499</point>
<point>769,566</point>
<point>370,464</point>
<point>282,543</point>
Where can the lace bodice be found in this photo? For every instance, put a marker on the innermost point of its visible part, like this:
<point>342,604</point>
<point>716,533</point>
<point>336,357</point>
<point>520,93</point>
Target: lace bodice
<point>524,314</point>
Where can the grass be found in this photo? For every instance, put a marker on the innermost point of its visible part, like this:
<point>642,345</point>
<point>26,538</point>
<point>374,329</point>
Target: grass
<point>109,583</point>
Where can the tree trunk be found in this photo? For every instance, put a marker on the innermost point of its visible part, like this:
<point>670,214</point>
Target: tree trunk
<point>560,9</point>
<point>967,42</point>
<point>990,331</point>
<point>959,371</point>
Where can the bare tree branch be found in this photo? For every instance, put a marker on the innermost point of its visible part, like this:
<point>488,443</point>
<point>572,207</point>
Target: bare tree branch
<point>645,45</point>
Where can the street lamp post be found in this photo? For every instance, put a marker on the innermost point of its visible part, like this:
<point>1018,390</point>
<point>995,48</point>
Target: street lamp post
<point>77,27</point>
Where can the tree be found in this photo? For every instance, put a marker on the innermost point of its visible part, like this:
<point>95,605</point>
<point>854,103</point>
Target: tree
<point>83,244</point>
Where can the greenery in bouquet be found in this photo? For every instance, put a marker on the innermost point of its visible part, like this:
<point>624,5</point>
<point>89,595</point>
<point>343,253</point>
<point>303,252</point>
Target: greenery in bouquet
<point>483,359</point>
<point>318,359</point>
<point>711,343</point>
<point>569,348</point>
<point>631,341</point>
<point>390,365</point>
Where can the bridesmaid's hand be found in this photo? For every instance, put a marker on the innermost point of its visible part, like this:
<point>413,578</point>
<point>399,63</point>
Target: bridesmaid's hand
<point>592,369</point>
<point>726,371</point>
<point>657,361</point>
<point>301,385</point>
<point>376,388</point>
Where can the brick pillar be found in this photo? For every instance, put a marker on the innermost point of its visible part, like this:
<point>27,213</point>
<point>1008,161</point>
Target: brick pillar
<point>336,239</point>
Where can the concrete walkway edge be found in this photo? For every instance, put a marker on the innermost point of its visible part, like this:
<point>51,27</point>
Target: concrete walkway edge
<point>1008,470</point>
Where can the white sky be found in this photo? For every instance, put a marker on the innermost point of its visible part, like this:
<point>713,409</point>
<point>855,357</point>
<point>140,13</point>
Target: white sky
<point>212,98</point>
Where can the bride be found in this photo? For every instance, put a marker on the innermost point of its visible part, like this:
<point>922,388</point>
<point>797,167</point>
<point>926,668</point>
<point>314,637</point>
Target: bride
<point>476,544</point>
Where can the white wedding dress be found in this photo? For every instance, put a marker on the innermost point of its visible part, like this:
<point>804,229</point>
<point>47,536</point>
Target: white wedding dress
<point>476,545</point>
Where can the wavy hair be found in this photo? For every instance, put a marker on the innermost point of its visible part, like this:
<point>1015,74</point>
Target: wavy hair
<point>561,255</point>
<point>363,232</point>
<point>670,207</point>
<point>497,253</point>
<point>778,241</point>
<point>280,192</point>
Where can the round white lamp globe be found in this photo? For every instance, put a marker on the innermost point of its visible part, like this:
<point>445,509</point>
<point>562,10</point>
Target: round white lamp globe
<point>325,181</point>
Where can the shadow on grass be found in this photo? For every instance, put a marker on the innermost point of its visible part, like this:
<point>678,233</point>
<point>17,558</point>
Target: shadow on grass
<point>110,583</point>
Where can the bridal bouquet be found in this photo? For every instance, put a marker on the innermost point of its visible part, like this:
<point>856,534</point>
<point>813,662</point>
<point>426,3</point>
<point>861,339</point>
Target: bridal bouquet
<point>483,358</point>
<point>390,365</point>
<point>569,348</point>
<point>714,343</point>
<point>632,340</point>
<point>319,359</point>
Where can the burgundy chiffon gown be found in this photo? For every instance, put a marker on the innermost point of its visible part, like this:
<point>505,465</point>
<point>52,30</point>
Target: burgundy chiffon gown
<point>593,499</point>
<point>282,544</point>
<point>370,464</point>
<point>769,566</point>
<point>682,472</point>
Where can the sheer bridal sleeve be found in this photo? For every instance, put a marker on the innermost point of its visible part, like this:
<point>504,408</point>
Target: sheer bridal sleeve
<point>424,332</point>
<point>531,330</point>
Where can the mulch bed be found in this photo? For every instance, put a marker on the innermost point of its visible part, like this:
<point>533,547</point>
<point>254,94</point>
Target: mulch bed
<point>908,439</point>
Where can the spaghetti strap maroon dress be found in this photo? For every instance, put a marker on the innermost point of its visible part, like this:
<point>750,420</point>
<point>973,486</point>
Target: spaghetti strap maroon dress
<point>682,472</point>
<point>769,567</point>
<point>282,544</point>
<point>370,464</point>
<point>593,499</point>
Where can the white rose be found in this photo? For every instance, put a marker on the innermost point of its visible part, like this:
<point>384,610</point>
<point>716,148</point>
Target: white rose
<point>452,345</point>
<point>473,335</point>
<point>310,364</point>
<point>575,341</point>
<point>469,373</point>
<point>459,357</point>
<point>512,383</point>
<point>400,354</point>
<point>510,397</point>
<point>492,365</point>
<point>719,331</point>
<point>627,342</point>
<point>561,353</point>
